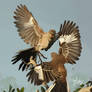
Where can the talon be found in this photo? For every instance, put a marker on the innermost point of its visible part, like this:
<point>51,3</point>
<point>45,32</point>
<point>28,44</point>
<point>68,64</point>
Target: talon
<point>32,61</point>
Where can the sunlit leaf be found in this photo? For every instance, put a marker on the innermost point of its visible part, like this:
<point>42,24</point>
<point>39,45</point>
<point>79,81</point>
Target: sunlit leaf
<point>22,89</point>
<point>18,90</point>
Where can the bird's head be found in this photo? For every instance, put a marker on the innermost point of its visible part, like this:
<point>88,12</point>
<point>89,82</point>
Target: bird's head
<point>52,31</point>
<point>53,54</point>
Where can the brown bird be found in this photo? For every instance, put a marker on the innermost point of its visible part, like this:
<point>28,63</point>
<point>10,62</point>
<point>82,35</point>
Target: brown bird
<point>69,52</point>
<point>30,31</point>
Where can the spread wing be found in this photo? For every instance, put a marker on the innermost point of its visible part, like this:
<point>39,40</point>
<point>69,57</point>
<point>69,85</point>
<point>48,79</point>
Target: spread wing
<point>49,72</point>
<point>70,44</point>
<point>28,27</point>
<point>43,73</point>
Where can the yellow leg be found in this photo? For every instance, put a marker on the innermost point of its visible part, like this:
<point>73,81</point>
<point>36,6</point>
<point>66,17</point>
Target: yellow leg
<point>32,61</point>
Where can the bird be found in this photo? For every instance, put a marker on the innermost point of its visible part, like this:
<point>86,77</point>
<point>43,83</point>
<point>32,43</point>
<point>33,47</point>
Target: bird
<point>69,52</point>
<point>30,31</point>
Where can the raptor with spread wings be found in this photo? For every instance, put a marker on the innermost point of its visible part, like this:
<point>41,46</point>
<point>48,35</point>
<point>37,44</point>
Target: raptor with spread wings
<point>69,52</point>
<point>30,31</point>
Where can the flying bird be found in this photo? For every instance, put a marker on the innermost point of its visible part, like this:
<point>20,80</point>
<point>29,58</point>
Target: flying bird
<point>30,31</point>
<point>69,52</point>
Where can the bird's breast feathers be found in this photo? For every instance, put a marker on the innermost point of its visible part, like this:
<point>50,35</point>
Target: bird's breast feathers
<point>44,41</point>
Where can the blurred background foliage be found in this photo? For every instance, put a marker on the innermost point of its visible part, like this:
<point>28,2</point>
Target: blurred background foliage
<point>11,89</point>
<point>42,89</point>
<point>87,84</point>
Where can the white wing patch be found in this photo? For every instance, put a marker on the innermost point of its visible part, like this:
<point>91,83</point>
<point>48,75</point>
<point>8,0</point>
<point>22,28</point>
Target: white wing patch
<point>29,23</point>
<point>38,70</point>
<point>67,38</point>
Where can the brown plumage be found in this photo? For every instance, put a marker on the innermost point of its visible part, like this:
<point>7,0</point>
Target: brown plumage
<point>69,41</point>
<point>51,71</point>
<point>69,52</point>
<point>30,31</point>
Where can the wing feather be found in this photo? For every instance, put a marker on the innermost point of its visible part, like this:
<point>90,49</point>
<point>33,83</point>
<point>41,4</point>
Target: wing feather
<point>28,27</point>
<point>44,73</point>
<point>70,44</point>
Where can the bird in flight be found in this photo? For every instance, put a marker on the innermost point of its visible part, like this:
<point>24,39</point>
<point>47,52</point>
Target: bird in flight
<point>30,31</point>
<point>69,52</point>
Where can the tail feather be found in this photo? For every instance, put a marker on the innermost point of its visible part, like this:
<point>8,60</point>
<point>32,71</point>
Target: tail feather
<point>60,87</point>
<point>24,56</point>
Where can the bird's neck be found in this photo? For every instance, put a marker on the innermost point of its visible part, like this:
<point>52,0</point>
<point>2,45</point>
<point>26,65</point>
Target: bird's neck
<point>58,60</point>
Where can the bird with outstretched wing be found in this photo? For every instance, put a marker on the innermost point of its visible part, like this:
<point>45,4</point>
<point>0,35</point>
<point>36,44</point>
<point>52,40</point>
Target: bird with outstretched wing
<point>69,52</point>
<point>30,31</point>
